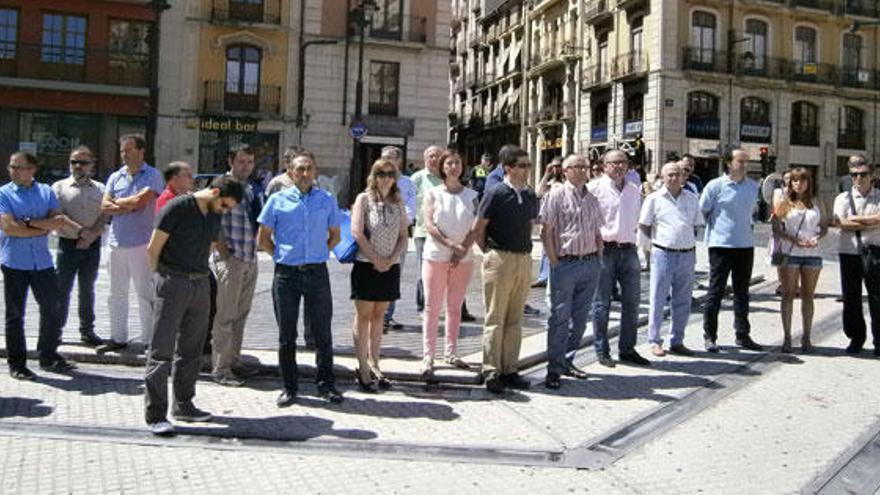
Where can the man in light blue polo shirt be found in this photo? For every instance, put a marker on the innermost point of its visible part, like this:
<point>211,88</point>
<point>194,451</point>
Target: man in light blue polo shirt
<point>299,227</point>
<point>728,203</point>
<point>28,211</point>
<point>130,197</point>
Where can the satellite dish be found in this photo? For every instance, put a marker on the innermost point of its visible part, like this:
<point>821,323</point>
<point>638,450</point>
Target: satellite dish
<point>771,183</point>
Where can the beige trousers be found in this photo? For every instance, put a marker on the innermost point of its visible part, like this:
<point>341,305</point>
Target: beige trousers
<point>506,279</point>
<point>236,281</point>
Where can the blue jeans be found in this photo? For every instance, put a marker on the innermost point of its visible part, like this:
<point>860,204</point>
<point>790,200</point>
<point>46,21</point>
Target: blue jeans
<point>619,265</point>
<point>82,265</point>
<point>289,286</point>
<point>544,269</point>
<point>572,288</point>
<point>44,285</point>
<point>670,271</point>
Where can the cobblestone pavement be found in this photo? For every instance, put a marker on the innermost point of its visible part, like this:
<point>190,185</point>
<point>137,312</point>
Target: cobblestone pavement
<point>748,423</point>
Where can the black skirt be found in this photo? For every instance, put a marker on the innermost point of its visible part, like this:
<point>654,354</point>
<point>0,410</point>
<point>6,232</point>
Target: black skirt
<point>369,285</point>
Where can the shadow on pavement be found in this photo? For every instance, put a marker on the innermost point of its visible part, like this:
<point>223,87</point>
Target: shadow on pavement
<point>618,387</point>
<point>11,407</point>
<point>279,428</point>
<point>383,408</point>
<point>88,384</point>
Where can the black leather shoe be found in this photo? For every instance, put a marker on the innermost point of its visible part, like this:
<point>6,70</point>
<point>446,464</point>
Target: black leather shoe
<point>575,372</point>
<point>606,361</point>
<point>530,311</point>
<point>552,381</point>
<point>91,338</point>
<point>393,324</point>
<point>853,348</point>
<point>746,342</point>
<point>111,346</point>
<point>681,350</point>
<point>516,381</point>
<point>633,357</point>
<point>467,317</point>
<point>711,345</point>
<point>494,384</point>
<point>287,398</point>
<point>22,373</point>
<point>330,394</point>
<point>877,351</point>
<point>57,365</point>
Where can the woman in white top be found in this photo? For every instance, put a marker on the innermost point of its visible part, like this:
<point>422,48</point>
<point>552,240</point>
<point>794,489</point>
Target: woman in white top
<point>799,221</point>
<point>450,210</point>
<point>379,225</point>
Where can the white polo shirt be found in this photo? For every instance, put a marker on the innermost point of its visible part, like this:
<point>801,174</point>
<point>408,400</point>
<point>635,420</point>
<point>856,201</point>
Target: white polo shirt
<point>619,209</point>
<point>865,205</point>
<point>672,220</point>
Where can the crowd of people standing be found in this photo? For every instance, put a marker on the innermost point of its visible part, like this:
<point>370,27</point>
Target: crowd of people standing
<point>192,258</point>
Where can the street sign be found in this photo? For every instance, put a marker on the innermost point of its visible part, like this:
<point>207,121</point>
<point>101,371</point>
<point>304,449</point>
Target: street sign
<point>358,130</point>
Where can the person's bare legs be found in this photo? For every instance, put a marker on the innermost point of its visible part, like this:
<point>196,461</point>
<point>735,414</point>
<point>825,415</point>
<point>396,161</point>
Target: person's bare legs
<point>377,321</point>
<point>364,312</point>
<point>809,279</point>
<point>788,279</point>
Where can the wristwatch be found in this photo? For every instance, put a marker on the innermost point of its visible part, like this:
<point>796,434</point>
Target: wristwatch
<point>27,221</point>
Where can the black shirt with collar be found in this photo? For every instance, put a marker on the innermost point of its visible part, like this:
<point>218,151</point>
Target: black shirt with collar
<point>190,233</point>
<point>510,218</point>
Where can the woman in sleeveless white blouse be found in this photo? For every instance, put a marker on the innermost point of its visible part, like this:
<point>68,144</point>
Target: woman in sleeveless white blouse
<point>799,222</point>
<point>450,210</point>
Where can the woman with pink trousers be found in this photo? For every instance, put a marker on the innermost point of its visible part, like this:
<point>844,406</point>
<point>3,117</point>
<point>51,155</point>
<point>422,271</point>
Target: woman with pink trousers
<point>449,209</point>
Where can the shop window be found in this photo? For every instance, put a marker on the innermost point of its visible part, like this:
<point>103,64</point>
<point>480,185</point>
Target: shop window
<point>54,135</point>
<point>8,33</point>
<point>755,124</point>
<point>804,124</point>
<point>64,39</point>
<point>384,88</point>
<point>632,124</point>
<point>851,131</point>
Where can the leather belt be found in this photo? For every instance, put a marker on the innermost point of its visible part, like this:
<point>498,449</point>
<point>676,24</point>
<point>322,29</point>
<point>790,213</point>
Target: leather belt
<point>672,250</point>
<point>301,268</point>
<point>578,257</point>
<point>619,245</point>
<point>164,270</point>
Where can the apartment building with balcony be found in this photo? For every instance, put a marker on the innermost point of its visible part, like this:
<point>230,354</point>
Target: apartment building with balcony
<point>705,76</point>
<point>225,79</point>
<point>487,74</point>
<point>73,72</point>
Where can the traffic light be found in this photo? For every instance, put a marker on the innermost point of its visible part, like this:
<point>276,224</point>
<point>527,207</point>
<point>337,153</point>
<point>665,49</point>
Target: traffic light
<point>765,160</point>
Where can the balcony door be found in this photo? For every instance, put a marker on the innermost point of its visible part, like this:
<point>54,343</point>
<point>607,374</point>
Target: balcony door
<point>242,88</point>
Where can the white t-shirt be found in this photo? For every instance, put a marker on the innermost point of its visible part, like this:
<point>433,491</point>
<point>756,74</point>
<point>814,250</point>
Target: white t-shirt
<point>454,215</point>
<point>810,228</point>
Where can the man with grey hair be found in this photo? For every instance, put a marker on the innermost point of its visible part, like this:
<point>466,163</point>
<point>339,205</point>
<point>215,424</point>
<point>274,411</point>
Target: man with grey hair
<point>668,218</point>
<point>79,253</point>
<point>408,196</point>
<point>285,179</point>
<point>423,180</point>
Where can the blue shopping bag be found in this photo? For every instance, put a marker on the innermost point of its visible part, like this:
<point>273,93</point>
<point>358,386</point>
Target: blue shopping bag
<point>346,250</point>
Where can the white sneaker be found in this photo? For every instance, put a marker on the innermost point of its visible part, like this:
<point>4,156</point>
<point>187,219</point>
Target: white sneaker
<point>161,428</point>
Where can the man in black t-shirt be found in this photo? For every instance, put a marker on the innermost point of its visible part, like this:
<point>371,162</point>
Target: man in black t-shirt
<point>178,253</point>
<point>503,230</point>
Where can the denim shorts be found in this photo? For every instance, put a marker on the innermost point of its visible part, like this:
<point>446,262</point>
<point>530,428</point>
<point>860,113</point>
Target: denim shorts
<point>804,261</point>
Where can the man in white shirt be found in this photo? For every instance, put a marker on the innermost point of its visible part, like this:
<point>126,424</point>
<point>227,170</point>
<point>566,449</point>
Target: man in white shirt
<point>619,204</point>
<point>408,196</point>
<point>669,217</point>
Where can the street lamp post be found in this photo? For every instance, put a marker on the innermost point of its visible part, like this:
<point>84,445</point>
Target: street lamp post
<point>362,16</point>
<point>157,6</point>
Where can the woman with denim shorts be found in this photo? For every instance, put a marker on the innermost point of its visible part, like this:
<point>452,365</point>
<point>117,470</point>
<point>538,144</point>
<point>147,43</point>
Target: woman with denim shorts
<point>799,222</point>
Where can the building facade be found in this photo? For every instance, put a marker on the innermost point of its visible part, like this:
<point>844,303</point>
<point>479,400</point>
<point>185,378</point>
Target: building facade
<point>278,73</point>
<point>660,78</point>
<point>73,72</point>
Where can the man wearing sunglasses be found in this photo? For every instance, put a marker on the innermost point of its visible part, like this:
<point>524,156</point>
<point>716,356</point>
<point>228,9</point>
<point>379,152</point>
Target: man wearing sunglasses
<point>79,253</point>
<point>857,215</point>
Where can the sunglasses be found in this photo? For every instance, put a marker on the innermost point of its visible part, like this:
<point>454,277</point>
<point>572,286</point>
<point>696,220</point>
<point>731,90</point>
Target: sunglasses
<point>386,174</point>
<point>523,165</point>
<point>81,162</point>
<point>578,167</point>
<point>859,174</point>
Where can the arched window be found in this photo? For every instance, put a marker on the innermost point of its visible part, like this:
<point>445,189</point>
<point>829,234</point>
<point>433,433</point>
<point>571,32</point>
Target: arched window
<point>756,33</point>
<point>852,62</point>
<point>755,124</point>
<point>851,130</point>
<point>805,50</point>
<point>242,77</point>
<point>703,31</point>
<point>702,116</point>
<point>804,124</point>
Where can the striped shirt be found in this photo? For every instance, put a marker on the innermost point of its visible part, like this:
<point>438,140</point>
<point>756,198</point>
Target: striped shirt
<point>575,218</point>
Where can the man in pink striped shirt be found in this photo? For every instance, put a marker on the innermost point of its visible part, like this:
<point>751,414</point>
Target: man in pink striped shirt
<point>571,232</point>
<point>620,202</point>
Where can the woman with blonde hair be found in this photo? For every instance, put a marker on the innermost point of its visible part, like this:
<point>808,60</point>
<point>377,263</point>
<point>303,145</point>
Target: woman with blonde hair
<point>450,210</point>
<point>799,222</point>
<point>379,225</point>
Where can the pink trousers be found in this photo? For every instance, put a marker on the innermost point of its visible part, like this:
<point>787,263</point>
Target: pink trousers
<point>443,281</point>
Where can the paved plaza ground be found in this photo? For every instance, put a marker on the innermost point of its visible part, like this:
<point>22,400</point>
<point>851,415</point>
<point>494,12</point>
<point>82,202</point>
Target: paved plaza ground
<point>736,422</point>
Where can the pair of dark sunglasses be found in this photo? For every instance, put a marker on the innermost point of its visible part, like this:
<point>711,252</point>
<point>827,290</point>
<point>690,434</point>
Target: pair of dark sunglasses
<point>390,175</point>
<point>860,174</point>
<point>81,162</point>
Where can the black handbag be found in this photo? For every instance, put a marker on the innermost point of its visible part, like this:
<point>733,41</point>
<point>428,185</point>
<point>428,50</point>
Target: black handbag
<point>779,258</point>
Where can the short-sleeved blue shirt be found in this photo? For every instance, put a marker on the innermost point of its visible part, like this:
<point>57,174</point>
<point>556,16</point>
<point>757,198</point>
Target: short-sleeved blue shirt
<point>495,177</point>
<point>35,202</point>
<point>133,229</point>
<point>727,207</point>
<point>300,223</point>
